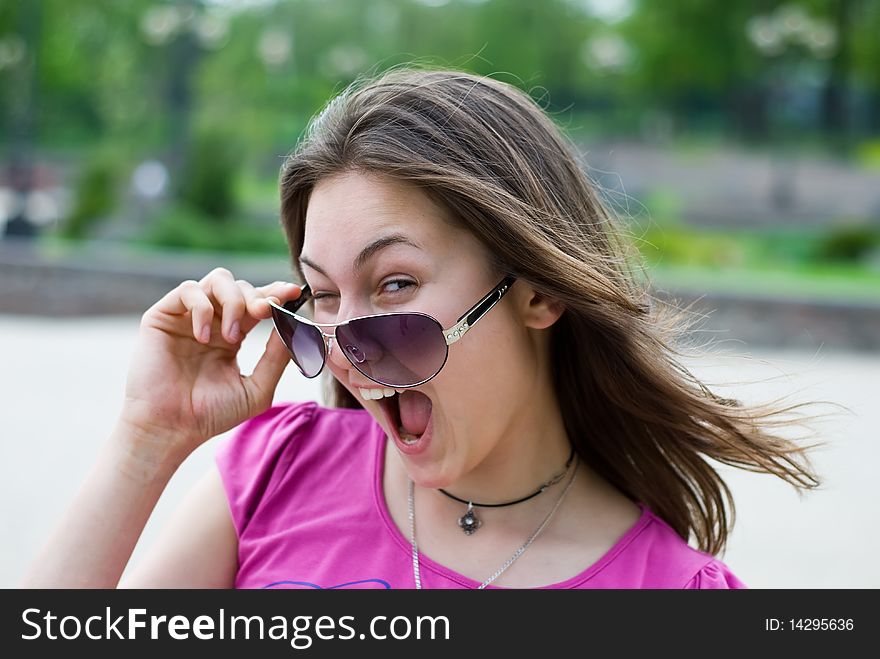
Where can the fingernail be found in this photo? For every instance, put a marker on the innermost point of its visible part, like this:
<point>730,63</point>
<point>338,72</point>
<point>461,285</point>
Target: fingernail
<point>234,331</point>
<point>206,334</point>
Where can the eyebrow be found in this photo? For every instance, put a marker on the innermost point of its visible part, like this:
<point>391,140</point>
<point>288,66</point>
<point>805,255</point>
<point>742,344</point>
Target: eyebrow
<point>366,253</point>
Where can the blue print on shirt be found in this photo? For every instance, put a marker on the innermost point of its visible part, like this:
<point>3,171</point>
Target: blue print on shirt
<point>362,584</point>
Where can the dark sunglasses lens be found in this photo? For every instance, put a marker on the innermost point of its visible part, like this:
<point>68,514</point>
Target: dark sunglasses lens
<point>396,350</point>
<point>304,342</point>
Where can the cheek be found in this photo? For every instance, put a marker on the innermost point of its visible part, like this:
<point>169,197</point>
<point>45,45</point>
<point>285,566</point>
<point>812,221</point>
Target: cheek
<point>341,375</point>
<point>492,365</point>
<point>474,393</point>
<point>476,368</point>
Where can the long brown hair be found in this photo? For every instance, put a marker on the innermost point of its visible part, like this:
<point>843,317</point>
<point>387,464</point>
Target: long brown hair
<point>485,151</point>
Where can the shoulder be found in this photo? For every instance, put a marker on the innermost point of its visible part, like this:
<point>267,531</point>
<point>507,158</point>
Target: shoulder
<point>687,567</point>
<point>288,426</point>
<point>268,450</point>
<point>715,575</point>
<point>265,434</point>
<point>652,555</point>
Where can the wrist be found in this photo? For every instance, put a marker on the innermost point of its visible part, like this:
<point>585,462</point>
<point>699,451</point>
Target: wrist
<point>146,454</point>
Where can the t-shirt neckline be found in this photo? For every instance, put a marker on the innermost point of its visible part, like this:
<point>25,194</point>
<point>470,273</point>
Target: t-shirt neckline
<point>427,562</point>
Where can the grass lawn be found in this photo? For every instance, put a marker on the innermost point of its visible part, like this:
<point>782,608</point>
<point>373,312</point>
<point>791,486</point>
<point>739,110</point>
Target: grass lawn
<point>829,264</point>
<point>813,282</point>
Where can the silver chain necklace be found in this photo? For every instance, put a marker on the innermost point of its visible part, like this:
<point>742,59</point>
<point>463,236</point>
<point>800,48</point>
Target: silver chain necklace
<point>509,562</point>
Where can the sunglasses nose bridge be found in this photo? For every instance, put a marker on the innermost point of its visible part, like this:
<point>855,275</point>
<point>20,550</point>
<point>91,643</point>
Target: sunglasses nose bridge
<point>328,341</point>
<point>337,356</point>
<point>342,357</point>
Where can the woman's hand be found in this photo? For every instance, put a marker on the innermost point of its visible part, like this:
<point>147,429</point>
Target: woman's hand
<point>184,385</point>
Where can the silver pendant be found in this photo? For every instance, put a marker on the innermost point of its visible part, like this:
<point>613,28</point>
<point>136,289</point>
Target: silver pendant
<point>469,522</point>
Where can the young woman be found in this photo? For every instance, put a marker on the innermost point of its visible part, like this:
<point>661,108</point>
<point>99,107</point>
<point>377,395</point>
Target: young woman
<point>505,407</point>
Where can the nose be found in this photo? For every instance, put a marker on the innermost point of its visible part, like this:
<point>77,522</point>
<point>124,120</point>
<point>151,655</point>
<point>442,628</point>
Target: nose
<point>334,354</point>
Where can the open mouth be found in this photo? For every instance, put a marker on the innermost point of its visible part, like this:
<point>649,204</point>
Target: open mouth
<point>391,409</point>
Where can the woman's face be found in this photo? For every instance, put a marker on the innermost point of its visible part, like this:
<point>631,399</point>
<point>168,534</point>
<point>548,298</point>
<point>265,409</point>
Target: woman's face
<point>443,273</point>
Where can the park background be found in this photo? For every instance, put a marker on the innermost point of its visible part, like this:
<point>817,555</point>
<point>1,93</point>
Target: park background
<point>738,141</point>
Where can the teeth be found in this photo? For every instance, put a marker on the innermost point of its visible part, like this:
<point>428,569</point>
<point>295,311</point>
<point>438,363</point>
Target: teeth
<point>376,394</point>
<point>406,437</point>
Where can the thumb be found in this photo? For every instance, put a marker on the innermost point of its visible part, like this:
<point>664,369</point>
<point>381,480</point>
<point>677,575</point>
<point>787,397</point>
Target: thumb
<point>262,382</point>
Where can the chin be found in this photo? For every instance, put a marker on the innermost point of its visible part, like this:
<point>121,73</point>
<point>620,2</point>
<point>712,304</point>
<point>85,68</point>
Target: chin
<point>428,473</point>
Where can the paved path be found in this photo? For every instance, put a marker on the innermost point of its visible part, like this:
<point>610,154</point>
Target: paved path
<point>64,381</point>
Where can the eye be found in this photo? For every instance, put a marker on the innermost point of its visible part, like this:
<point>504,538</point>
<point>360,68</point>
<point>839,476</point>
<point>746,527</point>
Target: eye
<point>400,284</point>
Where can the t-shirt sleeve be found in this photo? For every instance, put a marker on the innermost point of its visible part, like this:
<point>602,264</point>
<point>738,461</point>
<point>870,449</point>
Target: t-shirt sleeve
<point>253,459</point>
<point>715,575</point>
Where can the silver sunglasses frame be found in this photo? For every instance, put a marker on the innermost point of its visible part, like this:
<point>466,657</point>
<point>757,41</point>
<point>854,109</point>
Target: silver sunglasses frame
<point>451,335</point>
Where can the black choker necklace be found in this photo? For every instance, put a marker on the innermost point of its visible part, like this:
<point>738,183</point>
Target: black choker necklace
<point>469,522</point>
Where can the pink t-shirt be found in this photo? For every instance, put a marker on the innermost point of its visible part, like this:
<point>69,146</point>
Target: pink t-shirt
<point>304,484</point>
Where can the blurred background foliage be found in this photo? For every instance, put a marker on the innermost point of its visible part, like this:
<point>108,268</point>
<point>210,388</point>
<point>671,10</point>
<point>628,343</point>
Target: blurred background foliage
<point>164,123</point>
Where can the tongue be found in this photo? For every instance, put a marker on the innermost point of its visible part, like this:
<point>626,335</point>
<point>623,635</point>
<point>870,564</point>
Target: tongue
<point>415,411</point>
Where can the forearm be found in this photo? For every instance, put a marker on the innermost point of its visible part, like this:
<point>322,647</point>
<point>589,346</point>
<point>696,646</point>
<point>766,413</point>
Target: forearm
<point>96,536</point>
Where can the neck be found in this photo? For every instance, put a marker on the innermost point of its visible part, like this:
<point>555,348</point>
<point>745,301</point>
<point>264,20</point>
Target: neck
<point>556,478</point>
<point>532,449</point>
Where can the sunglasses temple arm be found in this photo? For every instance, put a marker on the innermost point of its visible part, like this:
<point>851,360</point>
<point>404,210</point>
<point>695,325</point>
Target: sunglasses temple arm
<point>304,296</point>
<point>479,310</point>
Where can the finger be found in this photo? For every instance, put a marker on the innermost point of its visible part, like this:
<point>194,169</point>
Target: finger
<point>254,305</point>
<point>220,285</point>
<point>282,291</point>
<point>257,299</point>
<point>261,384</point>
<point>188,296</point>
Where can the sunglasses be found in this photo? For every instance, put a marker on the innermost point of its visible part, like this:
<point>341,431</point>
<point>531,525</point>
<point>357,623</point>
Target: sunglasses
<point>397,350</point>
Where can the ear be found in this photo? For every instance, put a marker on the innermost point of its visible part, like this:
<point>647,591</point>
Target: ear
<point>537,310</point>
